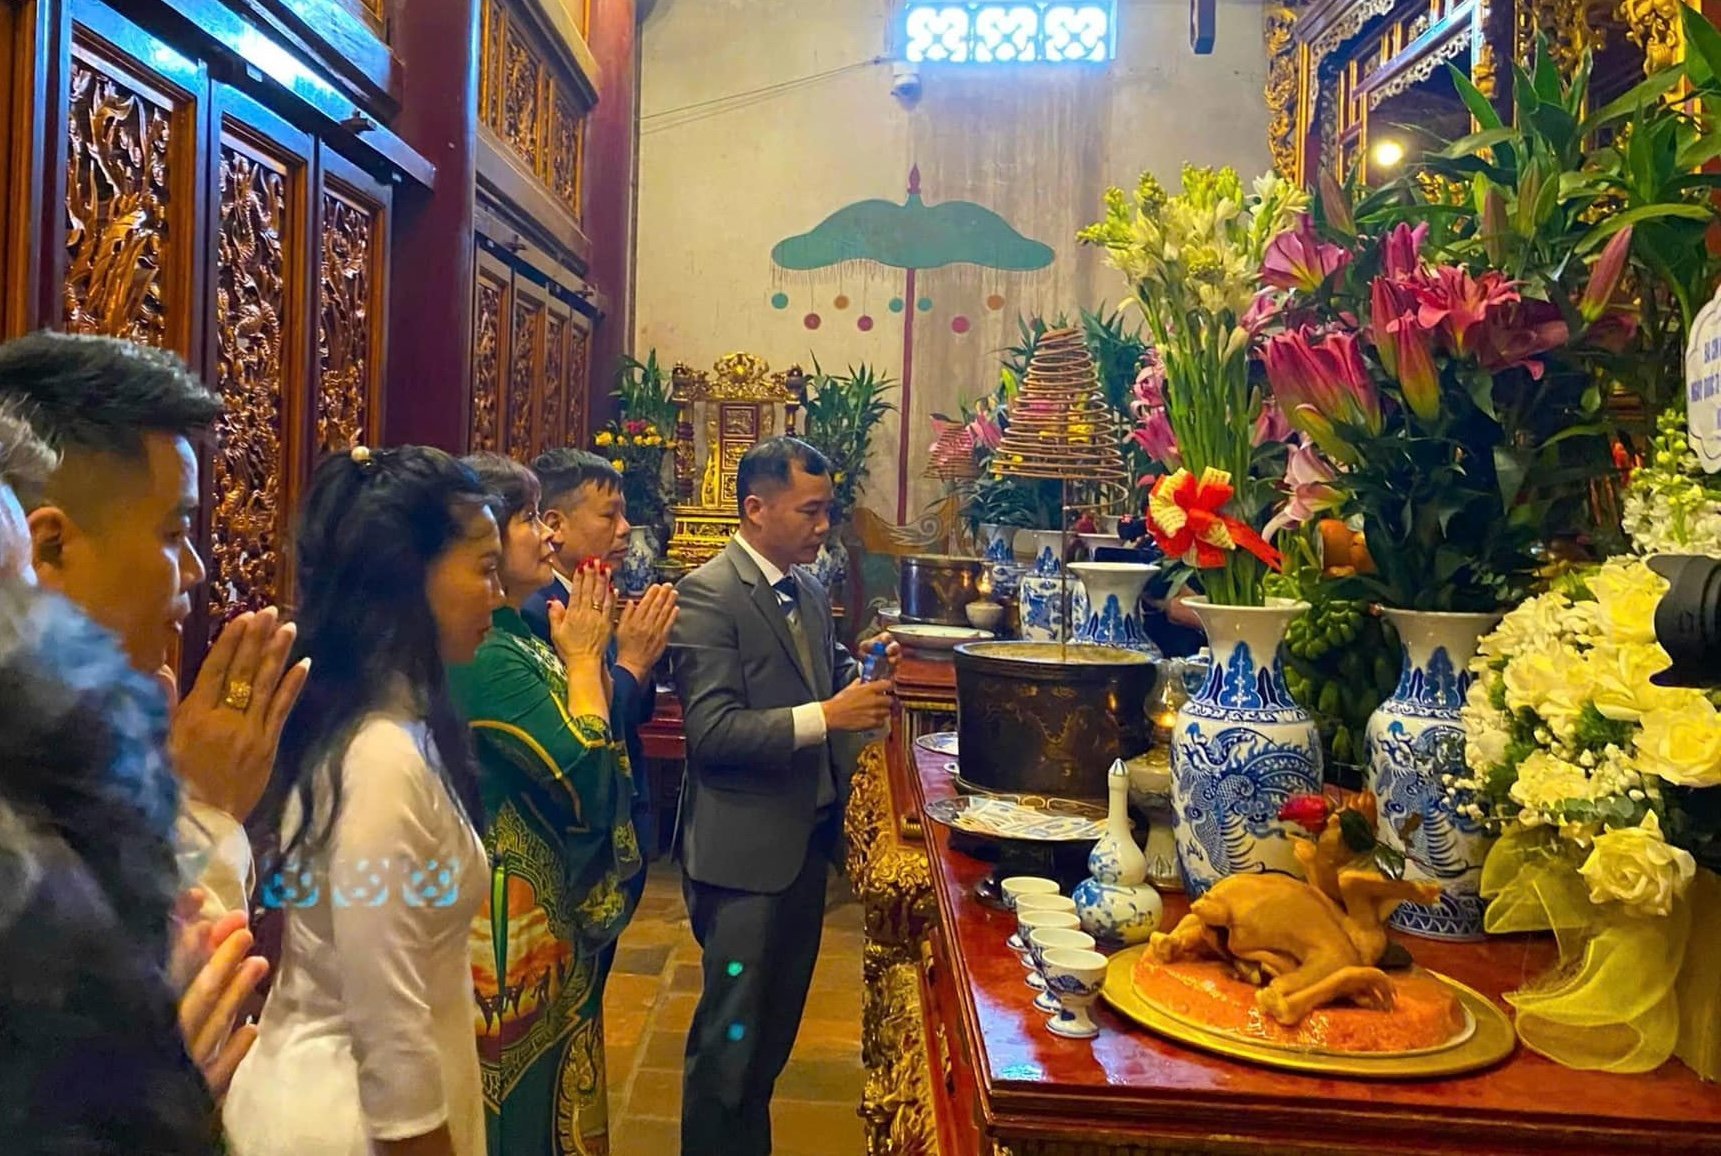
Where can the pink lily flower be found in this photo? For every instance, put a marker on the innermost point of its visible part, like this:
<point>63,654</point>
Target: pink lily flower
<point>1263,310</point>
<point>1299,259</point>
<point>1308,490</point>
<point>1401,251</point>
<point>1150,379</point>
<point>985,430</point>
<point>1271,425</point>
<point>1605,277</point>
<point>1155,436</point>
<point>1458,303</point>
<point>1517,335</point>
<point>1322,385</point>
<point>1404,346</point>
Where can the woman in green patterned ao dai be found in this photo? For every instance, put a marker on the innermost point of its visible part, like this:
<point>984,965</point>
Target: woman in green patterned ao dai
<point>564,858</point>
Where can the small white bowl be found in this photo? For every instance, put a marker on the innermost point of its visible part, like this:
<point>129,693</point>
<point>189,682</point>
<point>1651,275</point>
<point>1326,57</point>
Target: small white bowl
<point>1041,901</point>
<point>1031,920</point>
<point>1023,885</point>
<point>1037,901</point>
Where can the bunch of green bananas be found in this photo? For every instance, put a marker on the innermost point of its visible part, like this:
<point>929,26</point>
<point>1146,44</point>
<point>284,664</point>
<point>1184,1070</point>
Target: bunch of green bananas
<point>1340,662</point>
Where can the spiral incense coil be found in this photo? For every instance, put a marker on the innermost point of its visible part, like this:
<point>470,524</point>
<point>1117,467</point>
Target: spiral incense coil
<point>952,457</point>
<point>1061,425</point>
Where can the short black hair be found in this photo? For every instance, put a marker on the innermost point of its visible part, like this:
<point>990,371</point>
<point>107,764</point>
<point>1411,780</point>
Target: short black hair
<point>563,471</point>
<point>768,464</point>
<point>26,461</point>
<point>514,486</point>
<point>101,394</point>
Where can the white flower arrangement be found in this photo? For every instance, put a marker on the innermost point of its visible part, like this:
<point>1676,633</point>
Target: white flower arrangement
<point>1670,505</point>
<point>1566,733</point>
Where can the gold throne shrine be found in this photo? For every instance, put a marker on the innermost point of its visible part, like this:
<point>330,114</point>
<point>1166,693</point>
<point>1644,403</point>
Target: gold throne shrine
<point>718,417</point>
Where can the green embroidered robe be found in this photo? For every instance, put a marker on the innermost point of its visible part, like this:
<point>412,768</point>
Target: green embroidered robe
<point>565,870</point>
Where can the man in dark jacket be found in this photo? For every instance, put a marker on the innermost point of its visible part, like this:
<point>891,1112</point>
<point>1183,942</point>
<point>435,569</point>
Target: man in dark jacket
<point>583,504</point>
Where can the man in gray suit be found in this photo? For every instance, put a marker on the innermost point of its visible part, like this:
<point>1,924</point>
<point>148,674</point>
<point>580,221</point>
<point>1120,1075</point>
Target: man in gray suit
<point>764,687</point>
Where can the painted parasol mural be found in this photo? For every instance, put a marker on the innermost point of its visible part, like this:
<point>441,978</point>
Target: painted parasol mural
<point>913,236</point>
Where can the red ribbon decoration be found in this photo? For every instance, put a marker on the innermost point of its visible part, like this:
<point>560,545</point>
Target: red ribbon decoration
<point>1183,516</point>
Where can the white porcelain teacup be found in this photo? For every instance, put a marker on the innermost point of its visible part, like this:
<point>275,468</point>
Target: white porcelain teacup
<point>1037,901</point>
<point>1018,885</point>
<point>1075,977</point>
<point>1031,920</point>
<point>1044,939</point>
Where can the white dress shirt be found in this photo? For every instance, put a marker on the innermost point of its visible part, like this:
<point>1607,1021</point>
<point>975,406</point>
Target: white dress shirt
<point>809,717</point>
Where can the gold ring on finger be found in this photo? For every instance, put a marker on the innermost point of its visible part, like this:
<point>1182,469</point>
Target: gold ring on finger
<point>238,695</point>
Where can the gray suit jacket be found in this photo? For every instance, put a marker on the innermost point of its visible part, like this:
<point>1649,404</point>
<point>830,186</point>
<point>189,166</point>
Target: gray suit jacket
<point>749,800</point>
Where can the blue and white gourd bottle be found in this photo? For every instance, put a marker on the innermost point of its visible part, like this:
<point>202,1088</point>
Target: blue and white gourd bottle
<point>1415,739</point>
<point>1117,905</point>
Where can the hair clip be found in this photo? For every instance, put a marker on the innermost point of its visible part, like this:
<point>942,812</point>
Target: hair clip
<point>361,456</point>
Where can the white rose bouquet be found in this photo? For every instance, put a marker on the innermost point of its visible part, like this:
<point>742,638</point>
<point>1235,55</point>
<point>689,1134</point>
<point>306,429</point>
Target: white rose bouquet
<point>1600,784</point>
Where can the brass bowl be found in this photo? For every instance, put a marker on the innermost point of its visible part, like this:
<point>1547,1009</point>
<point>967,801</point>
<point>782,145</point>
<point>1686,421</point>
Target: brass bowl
<point>1048,718</point>
<point>937,588</point>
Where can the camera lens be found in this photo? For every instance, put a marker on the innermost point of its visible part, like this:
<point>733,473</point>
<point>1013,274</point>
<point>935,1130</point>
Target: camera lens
<point>1688,619</point>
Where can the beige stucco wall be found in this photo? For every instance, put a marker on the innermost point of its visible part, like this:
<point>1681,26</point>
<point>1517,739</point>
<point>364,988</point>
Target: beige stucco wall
<point>723,179</point>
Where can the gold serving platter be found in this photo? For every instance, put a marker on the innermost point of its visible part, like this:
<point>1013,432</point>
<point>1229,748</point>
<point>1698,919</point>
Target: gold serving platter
<point>1490,1041</point>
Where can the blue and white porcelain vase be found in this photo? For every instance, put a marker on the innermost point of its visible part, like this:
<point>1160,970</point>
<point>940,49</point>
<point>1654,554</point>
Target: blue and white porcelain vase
<point>1414,740</point>
<point>1107,610</point>
<point>832,564</point>
<point>1000,558</point>
<point>1241,747</point>
<point>1042,589</point>
<point>639,566</point>
<point>1117,905</point>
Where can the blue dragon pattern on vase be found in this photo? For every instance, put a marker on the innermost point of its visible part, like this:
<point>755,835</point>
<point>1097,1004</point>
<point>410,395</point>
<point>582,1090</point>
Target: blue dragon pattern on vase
<point>1415,741</point>
<point>1241,748</point>
<point>1041,591</point>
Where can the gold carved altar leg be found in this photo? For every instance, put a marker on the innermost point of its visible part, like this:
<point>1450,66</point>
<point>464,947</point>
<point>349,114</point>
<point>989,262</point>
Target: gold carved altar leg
<point>895,889</point>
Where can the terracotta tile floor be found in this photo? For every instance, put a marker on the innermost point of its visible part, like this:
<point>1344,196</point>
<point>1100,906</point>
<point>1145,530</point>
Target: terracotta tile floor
<point>649,1004</point>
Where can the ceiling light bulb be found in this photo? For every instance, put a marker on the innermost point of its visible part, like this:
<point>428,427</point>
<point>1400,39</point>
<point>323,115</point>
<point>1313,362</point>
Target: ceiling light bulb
<point>1388,154</point>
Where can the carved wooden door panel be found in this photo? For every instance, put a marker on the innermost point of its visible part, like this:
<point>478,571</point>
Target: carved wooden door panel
<point>526,359</point>
<point>553,406</point>
<point>352,290</point>
<point>262,241</point>
<point>129,156</point>
<point>492,322</point>
<point>579,381</point>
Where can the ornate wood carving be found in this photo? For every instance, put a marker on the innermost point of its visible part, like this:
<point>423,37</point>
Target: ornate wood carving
<point>526,100</point>
<point>553,407</point>
<point>252,303</point>
<point>524,371</point>
<point>563,161</point>
<point>579,379</point>
<point>521,96</point>
<point>1572,27</point>
<point>895,889</point>
<point>1657,27</point>
<point>483,431</point>
<point>118,207</point>
<point>345,327</point>
<point>1281,88</point>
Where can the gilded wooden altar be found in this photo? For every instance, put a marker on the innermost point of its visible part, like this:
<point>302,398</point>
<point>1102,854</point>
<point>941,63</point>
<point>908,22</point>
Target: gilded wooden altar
<point>720,415</point>
<point>888,870</point>
<point>1335,67</point>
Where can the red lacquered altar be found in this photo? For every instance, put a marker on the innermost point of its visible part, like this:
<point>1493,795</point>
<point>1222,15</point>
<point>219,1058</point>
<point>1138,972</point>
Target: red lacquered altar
<point>960,1062</point>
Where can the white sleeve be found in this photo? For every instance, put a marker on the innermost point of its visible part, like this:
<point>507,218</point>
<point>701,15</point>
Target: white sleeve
<point>389,814</point>
<point>810,726</point>
<point>225,874</point>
